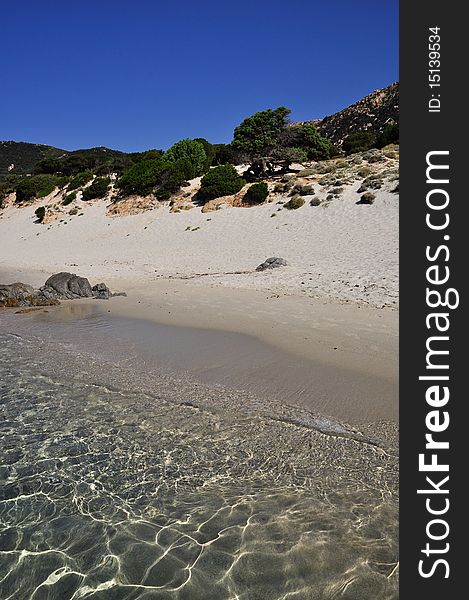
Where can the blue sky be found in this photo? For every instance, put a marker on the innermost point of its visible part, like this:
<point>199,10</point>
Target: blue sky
<point>141,74</point>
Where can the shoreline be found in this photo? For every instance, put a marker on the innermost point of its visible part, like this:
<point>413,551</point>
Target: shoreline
<point>340,360</point>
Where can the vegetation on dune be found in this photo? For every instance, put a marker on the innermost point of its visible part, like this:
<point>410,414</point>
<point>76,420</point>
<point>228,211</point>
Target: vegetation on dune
<point>220,181</point>
<point>40,213</point>
<point>69,198</point>
<point>80,180</point>
<point>156,176</point>
<point>257,193</point>
<point>37,186</point>
<point>192,154</point>
<point>294,203</point>
<point>98,189</point>
<point>268,142</point>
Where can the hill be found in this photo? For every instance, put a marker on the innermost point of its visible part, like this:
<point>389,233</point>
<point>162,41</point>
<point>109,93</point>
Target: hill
<point>372,113</point>
<point>22,157</point>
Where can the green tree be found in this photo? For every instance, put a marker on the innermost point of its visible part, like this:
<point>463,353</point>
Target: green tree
<point>307,138</point>
<point>257,135</point>
<point>191,152</point>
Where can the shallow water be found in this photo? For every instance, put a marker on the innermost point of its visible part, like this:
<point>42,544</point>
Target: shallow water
<point>124,483</point>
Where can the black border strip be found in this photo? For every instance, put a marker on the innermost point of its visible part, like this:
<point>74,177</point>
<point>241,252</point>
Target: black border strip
<point>421,132</point>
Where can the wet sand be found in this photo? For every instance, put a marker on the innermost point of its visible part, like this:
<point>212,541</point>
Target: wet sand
<point>337,359</point>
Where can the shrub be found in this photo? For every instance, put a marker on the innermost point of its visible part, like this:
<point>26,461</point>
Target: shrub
<point>36,186</point>
<point>256,193</point>
<point>98,189</point>
<point>40,213</point>
<point>192,153</point>
<point>367,198</point>
<point>73,211</point>
<point>170,177</point>
<point>69,198</point>
<point>315,202</point>
<point>358,142</point>
<point>220,181</point>
<point>307,172</point>
<point>80,180</point>
<point>141,178</point>
<point>303,190</point>
<point>157,175</point>
<point>294,203</point>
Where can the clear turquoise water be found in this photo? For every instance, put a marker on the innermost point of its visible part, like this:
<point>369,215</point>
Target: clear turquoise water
<point>116,483</point>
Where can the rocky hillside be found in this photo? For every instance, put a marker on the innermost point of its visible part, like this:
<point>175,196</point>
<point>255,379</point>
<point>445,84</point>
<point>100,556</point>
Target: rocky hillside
<point>371,113</point>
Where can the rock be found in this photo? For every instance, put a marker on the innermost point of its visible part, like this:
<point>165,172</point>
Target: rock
<point>58,287</point>
<point>272,263</point>
<point>23,295</point>
<point>68,285</point>
<point>101,291</point>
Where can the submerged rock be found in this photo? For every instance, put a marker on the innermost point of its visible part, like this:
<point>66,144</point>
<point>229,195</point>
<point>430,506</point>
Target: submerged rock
<point>272,263</point>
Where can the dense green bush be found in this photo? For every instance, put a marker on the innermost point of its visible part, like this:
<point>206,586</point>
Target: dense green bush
<point>141,178</point>
<point>80,180</point>
<point>389,135</point>
<point>154,176</point>
<point>69,198</point>
<point>192,153</point>
<point>36,186</point>
<point>256,193</point>
<point>294,203</point>
<point>40,213</point>
<point>220,181</point>
<point>358,142</point>
<point>98,189</point>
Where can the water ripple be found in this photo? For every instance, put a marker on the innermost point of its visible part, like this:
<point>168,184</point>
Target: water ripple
<point>117,494</point>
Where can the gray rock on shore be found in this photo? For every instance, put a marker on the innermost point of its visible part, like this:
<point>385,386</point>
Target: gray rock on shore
<point>69,286</point>
<point>272,263</point>
<point>21,294</point>
<point>61,286</point>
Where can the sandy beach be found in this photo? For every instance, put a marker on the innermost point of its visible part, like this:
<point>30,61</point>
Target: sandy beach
<point>326,325</point>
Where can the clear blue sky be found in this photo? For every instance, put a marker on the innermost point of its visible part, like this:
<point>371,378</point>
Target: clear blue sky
<point>138,74</point>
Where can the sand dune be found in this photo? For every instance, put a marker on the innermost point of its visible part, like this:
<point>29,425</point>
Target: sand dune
<point>336,250</point>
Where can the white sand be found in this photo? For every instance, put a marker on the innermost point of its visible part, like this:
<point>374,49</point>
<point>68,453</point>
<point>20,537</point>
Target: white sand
<point>340,250</point>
